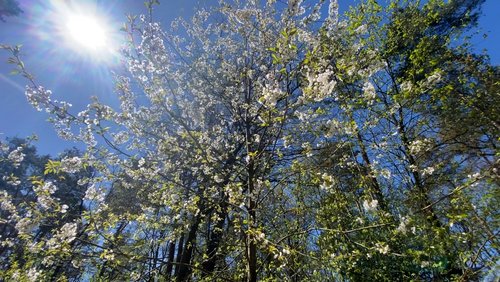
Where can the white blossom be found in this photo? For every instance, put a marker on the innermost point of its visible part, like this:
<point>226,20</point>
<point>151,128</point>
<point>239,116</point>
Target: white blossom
<point>403,225</point>
<point>361,29</point>
<point>134,276</point>
<point>406,86</point>
<point>44,193</point>
<point>38,97</point>
<point>385,173</point>
<point>321,84</point>
<point>16,276</point>
<point>333,12</point>
<point>428,170</point>
<point>71,164</point>
<point>328,182</point>
<point>109,255</point>
<point>12,180</point>
<point>416,146</point>
<point>4,148</point>
<point>271,94</point>
<point>94,194</point>
<point>413,168</point>
<point>45,201</point>
<point>6,202</point>
<point>26,225</point>
<point>474,176</point>
<point>218,178</point>
<point>76,263</point>
<point>64,208</point>
<point>435,78</point>
<point>370,206</point>
<point>120,137</point>
<point>369,92</point>
<point>66,234</point>
<point>33,274</point>
<point>16,156</point>
<point>47,188</point>
<point>382,248</point>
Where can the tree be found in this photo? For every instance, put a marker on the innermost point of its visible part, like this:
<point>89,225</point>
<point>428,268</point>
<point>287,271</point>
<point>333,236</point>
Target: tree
<point>42,198</point>
<point>9,8</point>
<point>256,143</point>
<point>394,112</point>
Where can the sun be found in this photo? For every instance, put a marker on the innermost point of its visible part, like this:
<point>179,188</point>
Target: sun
<point>84,29</point>
<point>87,32</point>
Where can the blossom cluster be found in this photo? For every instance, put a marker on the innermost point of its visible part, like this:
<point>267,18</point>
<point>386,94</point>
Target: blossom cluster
<point>16,156</point>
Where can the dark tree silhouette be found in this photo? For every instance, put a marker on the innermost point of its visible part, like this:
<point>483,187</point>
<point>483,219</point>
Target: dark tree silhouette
<point>9,8</point>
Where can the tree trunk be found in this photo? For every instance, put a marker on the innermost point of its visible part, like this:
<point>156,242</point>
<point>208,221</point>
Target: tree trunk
<point>424,198</point>
<point>250,242</point>
<point>184,265</point>
<point>377,191</point>
<point>179,255</point>
<point>251,246</point>
<point>214,242</point>
<point>171,254</point>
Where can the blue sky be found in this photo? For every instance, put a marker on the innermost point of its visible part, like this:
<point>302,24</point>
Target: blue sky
<point>74,77</point>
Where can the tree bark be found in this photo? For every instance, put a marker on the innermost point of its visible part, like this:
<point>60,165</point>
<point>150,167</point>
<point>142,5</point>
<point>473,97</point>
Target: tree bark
<point>377,191</point>
<point>184,266</point>
<point>251,246</point>
<point>179,255</point>
<point>171,256</point>
<point>250,242</point>
<point>214,242</point>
